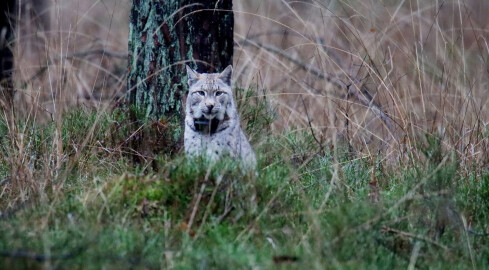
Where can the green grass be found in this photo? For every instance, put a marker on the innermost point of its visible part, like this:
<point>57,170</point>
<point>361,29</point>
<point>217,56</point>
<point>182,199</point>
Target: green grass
<point>307,209</point>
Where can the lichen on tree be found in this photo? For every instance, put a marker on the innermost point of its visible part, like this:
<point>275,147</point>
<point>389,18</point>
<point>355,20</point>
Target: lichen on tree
<point>165,35</point>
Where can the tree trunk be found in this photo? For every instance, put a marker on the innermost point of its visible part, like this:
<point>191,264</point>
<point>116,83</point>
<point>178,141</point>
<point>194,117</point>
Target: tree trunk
<point>7,8</point>
<point>41,14</point>
<point>165,35</point>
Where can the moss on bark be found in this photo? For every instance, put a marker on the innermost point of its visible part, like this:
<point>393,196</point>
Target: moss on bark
<point>164,35</point>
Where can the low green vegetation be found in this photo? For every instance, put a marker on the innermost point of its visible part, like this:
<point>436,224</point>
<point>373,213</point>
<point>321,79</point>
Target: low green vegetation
<point>81,192</point>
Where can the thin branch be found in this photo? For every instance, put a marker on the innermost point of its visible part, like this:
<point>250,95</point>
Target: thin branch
<point>415,236</point>
<point>81,54</point>
<point>310,125</point>
<point>104,52</point>
<point>354,88</point>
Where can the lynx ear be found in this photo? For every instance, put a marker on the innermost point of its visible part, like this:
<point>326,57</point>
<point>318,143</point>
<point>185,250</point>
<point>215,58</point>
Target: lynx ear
<point>192,75</point>
<point>225,76</point>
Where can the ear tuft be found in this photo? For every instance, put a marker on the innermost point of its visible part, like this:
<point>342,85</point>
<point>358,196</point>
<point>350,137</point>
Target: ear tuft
<point>192,75</point>
<point>225,76</point>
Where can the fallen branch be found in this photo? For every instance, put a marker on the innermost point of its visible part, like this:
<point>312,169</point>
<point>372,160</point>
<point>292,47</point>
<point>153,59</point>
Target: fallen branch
<point>415,236</point>
<point>42,257</point>
<point>21,254</point>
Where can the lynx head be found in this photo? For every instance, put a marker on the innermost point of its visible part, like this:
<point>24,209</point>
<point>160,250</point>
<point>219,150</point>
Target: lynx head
<point>210,94</point>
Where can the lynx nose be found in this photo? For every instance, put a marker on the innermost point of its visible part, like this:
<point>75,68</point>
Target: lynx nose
<point>209,107</point>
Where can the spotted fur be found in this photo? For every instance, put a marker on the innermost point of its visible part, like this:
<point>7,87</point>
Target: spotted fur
<point>212,126</point>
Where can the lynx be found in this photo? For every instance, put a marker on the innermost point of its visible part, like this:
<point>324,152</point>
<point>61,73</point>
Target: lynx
<point>212,126</point>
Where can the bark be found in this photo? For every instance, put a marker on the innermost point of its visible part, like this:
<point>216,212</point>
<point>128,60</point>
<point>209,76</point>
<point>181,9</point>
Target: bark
<point>7,8</point>
<point>164,35</point>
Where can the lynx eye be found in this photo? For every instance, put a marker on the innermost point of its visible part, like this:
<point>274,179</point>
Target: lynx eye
<point>219,93</point>
<point>201,93</point>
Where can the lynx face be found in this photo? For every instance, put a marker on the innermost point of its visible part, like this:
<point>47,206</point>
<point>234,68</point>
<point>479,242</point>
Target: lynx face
<point>210,94</point>
<point>212,126</point>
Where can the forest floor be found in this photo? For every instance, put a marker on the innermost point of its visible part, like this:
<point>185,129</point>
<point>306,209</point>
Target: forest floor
<point>369,120</point>
<point>75,195</point>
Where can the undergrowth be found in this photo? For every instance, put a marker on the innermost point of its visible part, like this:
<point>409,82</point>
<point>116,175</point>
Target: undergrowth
<point>95,206</point>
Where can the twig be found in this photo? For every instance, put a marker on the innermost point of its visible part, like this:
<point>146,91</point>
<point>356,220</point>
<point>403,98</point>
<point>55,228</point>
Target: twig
<point>196,206</point>
<point>80,54</point>
<point>476,233</point>
<point>310,125</point>
<point>223,215</point>
<point>414,255</point>
<point>105,52</point>
<point>415,236</point>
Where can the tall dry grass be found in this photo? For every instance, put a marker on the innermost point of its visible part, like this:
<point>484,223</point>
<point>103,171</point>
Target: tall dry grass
<point>68,54</point>
<point>79,59</point>
<point>376,76</point>
<point>371,77</point>
<point>422,63</point>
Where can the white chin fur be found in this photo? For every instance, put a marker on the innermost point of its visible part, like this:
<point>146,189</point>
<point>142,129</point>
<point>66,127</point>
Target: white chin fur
<point>209,116</point>
<point>197,115</point>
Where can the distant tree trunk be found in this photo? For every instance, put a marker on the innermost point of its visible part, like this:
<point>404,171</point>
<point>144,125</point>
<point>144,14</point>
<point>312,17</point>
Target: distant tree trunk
<point>34,13</point>
<point>165,34</point>
<point>41,10</point>
<point>7,8</point>
<point>33,27</point>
